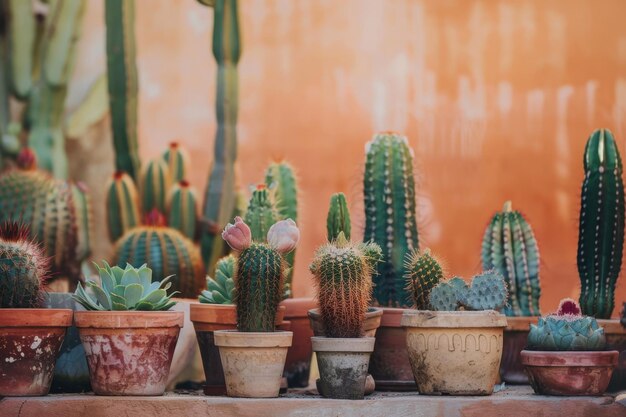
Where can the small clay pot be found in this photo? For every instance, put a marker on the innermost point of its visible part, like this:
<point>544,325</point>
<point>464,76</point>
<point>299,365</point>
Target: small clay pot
<point>343,364</point>
<point>370,325</point>
<point>298,364</point>
<point>253,362</point>
<point>30,341</point>
<point>129,352</point>
<point>454,352</point>
<point>569,373</point>
<point>515,338</point>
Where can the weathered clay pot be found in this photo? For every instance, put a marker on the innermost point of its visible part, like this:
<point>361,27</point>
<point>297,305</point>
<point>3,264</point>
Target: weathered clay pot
<point>129,352</point>
<point>343,364</point>
<point>30,341</point>
<point>616,340</point>
<point>515,337</point>
<point>206,319</point>
<point>298,364</point>
<point>370,325</point>
<point>253,363</point>
<point>389,364</point>
<point>454,352</point>
<point>569,373</point>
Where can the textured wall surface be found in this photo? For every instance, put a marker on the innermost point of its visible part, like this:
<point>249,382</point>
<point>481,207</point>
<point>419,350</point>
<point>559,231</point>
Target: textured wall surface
<point>496,97</point>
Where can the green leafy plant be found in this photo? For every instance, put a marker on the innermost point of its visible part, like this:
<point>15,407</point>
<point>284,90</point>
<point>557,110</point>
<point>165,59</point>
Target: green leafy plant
<point>221,289</point>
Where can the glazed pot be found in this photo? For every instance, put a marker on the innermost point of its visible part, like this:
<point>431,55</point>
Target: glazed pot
<point>343,364</point>
<point>129,352</point>
<point>389,364</point>
<point>30,341</point>
<point>207,318</point>
<point>253,363</point>
<point>616,340</point>
<point>515,337</point>
<point>569,373</point>
<point>370,325</point>
<point>298,364</point>
<point>454,352</point>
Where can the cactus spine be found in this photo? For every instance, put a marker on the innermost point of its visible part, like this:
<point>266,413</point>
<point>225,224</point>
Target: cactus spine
<point>183,209</point>
<point>122,202</point>
<point>423,273</point>
<point>261,213</point>
<point>389,199</point>
<point>123,83</point>
<point>338,218</point>
<point>219,201</point>
<point>509,246</point>
<point>601,227</point>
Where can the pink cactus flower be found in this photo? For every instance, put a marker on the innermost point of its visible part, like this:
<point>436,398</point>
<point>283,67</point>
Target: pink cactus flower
<point>238,235</point>
<point>283,236</point>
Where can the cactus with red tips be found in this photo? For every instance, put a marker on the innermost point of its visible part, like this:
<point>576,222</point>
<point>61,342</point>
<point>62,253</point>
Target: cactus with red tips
<point>122,205</point>
<point>182,211</point>
<point>154,186</point>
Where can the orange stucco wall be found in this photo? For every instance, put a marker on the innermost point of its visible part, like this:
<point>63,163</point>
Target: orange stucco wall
<point>496,97</point>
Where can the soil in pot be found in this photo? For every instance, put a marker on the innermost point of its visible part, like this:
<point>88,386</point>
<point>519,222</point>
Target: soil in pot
<point>129,352</point>
<point>298,364</point>
<point>342,364</point>
<point>616,340</point>
<point>515,337</point>
<point>30,341</point>
<point>569,373</point>
<point>253,363</point>
<point>454,352</point>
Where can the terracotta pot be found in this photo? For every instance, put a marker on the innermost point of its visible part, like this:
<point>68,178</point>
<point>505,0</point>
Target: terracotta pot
<point>129,352</point>
<point>389,364</point>
<point>616,340</point>
<point>370,325</point>
<point>30,341</point>
<point>206,319</point>
<point>253,362</point>
<point>454,352</point>
<point>569,373</point>
<point>343,364</point>
<point>298,364</point>
<point>515,337</point>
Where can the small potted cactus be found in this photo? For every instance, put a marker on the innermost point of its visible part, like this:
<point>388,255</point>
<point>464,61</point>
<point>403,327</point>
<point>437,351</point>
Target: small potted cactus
<point>455,347</point>
<point>128,333</point>
<point>30,336</point>
<point>253,356</point>
<point>566,354</point>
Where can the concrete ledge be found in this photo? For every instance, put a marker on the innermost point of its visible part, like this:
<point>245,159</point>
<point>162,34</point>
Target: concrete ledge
<point>512,402</point>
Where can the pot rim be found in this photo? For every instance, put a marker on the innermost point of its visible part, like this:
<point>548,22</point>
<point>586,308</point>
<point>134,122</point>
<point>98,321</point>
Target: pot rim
<point>453,319</point>
<point>36,317</point>
<point>201,313</point>
<point>371,312</point>
<point>579,358</point>
<point>235,338</point>
<point>520,323</point>
<point>128,319</point>
<point>612,327</point>
<point>298,307</point>
<point>343,344</point>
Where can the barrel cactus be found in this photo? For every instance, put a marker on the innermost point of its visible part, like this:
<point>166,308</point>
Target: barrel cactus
<point>601,227</point>
<point>122,205</point>
<point>221,289</point>
<point>423,273</point>
<point>183,209</point>
<point>487,291</point>
<point>338,218</point>
<point>389,200</point>
<point>509,246</point>
<point>154,186</point>
<point>565,330</point>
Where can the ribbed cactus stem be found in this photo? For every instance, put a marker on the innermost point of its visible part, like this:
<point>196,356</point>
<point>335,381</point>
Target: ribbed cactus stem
<point>154,186</point>
<point>21,23</point>
<point>182,212</point>
<point>258,287</point>
<point>261,213</point>
<point>177,160</point>
<point>389,199</point>
<point>423,273</point>
<point>122,203</point>
<point>601,227</point>
<point>338,218</point>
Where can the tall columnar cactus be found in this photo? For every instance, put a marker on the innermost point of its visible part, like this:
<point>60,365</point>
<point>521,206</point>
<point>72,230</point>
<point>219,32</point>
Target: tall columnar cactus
<point>423,273</point>
<point>84,217</point>
<point>260,272</point>
<point>182,209</point>
<point>219,201</point>
<point>389,199</point>
<point>122,203</point>
<point>177,160</point>
<point>343,277</point>
<point>509,246</point>
<point>23,268</point>
<point>123,83</point>
<point>338,218</point>
<point>601,227</point>
<point>261,213</point>
<point>154,186</point>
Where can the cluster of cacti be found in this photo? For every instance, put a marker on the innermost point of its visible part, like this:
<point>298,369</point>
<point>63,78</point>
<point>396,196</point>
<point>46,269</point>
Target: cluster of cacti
<point>343,277</point>
<point>423,273</point>
<point>509,246</point>
<point>57,212</point>
<point>338,218</point>
<point>259,272</point>
<point>487,291</point>
<point>389,200</point>
<point>601,227</point>
<point>567,329</point>
<point>126,289</point>
<point>221,289</point>
<point>23,268</point>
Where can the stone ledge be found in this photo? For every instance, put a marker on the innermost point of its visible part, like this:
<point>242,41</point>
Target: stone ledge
<point>512,402</point>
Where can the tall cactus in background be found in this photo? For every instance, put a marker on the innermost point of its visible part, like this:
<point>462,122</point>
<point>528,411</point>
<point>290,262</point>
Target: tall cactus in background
<point>601,227</point>
<point>122,205</point>
<point>261,213</point>
<point>154,186</point>
<point>123,83</point>
<point>219,201</point>
<point>509,246</point>
<point>389,199</point>
<point>338,218</point>
<point>177,160</point>
<point>183,208</point>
